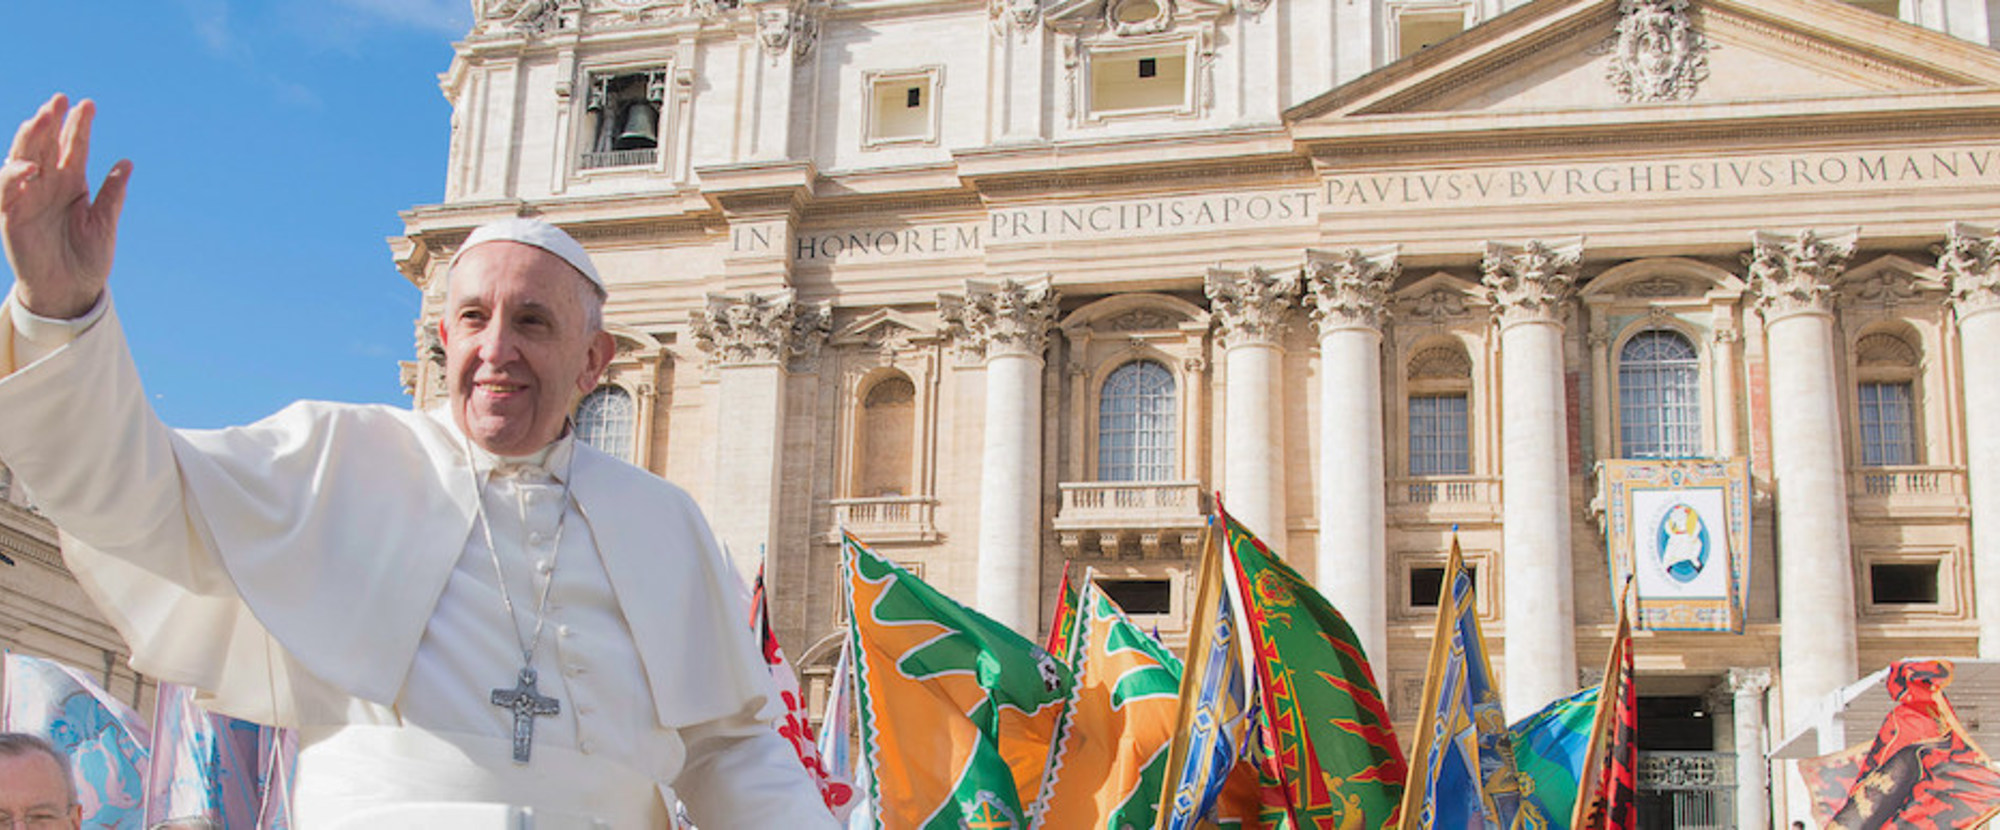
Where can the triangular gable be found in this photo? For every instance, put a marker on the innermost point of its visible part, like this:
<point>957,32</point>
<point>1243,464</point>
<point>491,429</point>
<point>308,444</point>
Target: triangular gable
<point>1564,56</point>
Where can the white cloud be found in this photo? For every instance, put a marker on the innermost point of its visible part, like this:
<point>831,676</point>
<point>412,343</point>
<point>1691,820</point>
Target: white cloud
<point>210,20</point>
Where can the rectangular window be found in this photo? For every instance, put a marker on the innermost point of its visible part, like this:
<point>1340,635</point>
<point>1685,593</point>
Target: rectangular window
<point>1903,584</point>
<point>1140,596</point>
<point>1888,425</point>
<point>1418,30</point>
<point>1892,8</point>
<point>1427,584</point>
<point>1124,82</point>
<point>1438,443</point>
<point>902,107</point>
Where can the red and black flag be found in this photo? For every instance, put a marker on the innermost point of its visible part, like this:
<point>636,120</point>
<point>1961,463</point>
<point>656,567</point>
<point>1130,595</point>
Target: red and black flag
<point>1610,799</point>
<point>1922,770</point>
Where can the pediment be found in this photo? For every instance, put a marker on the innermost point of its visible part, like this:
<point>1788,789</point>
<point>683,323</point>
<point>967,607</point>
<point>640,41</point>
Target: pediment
<point>883,327</point>
<point>1566,56</point>
<point>1133,313</point>
<point>1128,18</point>
<point>1437,298</point>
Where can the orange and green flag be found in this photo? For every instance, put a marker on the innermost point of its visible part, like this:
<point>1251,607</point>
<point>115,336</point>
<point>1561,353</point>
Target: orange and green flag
<point>1110,753</point>
<point>1329,733</point>
<point>956,711</point>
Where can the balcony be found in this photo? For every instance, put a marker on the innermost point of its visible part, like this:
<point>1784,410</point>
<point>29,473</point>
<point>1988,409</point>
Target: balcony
<point>1151,519</point>
<point>887,519</point>
<point>1907,492</point>
<point>1445,498</point>
<point>1690,790</point>
<point>619,158</point>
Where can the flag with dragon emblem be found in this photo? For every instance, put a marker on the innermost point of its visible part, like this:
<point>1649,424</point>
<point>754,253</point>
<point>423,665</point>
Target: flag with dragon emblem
<point>956,711</point>
<point>1923,769</point>
<point>1110,753</point>
<point>1329,731</point>
<point>1463,773</point>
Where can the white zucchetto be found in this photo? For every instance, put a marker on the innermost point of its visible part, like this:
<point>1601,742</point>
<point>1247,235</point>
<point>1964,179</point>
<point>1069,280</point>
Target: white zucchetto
<point>540,234</point>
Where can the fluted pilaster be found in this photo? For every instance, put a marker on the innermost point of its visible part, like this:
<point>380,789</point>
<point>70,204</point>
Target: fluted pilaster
<point>1970,262</point>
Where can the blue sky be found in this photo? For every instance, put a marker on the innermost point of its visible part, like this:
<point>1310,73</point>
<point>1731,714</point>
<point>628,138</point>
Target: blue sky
<point>274,142</point>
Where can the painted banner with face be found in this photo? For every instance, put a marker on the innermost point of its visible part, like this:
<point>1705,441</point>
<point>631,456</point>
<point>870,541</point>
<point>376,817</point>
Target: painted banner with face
<point>106,740</point>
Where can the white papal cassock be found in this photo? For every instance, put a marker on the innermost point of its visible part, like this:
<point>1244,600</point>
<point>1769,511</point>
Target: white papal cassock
<point>324,569</point>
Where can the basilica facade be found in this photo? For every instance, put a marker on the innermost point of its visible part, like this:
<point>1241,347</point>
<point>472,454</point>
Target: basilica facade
<point>999,285</point>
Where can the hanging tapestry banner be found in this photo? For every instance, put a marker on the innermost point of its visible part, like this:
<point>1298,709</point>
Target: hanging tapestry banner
<point>1681,529</point>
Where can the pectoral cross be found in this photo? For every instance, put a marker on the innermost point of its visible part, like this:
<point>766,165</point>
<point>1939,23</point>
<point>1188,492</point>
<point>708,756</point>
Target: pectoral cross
<point>527,705</point>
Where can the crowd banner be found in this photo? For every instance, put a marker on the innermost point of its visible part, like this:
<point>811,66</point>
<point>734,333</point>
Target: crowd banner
<point>105,739</point>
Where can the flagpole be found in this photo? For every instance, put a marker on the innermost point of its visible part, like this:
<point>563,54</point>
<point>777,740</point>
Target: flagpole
<point>1192,668</point>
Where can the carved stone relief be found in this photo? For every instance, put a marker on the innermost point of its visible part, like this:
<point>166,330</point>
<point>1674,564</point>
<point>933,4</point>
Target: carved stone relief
<point>1250,305</point>
<point>1018,15</point>
<point>1795,273</point>
<point>1530,282</point>
<point>997,318</point>
<point>1884,349</point>
<point>1970,260</point>
<point>1435,307</point>
<point>1440,363</point>
<point>1657,55</point>
<point>1350,287</point>
<point>1886,288</point>
<point>794,28</point>
<point>1655,287</point>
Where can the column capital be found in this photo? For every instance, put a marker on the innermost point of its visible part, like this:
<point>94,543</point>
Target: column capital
<point>1970,260</point>
<point>1748,682</point>
<point>1350,288</point>
<point>1531,282</point>
<point>1249,305</point>
<point>748,328</point>
<point>1794,273</point>
<point>1007,317</point>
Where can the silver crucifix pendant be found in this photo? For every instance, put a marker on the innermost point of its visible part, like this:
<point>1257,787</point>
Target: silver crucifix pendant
<point>527,705</point>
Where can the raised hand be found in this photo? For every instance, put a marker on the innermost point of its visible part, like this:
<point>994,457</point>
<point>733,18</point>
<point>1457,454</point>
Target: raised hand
<point>59,242</point>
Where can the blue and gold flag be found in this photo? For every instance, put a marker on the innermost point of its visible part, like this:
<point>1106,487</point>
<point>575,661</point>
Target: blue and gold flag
<point>1462,771</point>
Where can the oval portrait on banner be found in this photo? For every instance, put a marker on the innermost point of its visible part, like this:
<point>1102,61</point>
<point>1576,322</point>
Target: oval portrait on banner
<point>1682,543</point>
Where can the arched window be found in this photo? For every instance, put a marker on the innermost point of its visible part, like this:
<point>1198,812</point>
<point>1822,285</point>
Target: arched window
<point>604,421</point>
<point>1886,366</point>
<point>1136,433</point>
<point>1659,396</point>
<point>886,454</point>
<point>1439,424</point>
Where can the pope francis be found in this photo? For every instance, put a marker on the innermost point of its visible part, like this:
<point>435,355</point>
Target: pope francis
<point>471,618</point>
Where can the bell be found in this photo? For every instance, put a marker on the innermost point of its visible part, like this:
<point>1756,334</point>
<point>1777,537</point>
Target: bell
<point>640,131</point>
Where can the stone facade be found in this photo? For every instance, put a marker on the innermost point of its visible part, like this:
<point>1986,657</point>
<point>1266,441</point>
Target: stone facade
<point>44,613</point>
<point>954,227</point>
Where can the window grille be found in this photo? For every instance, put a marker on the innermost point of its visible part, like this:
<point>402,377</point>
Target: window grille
<point>604,420</point>
<point>1888,424</point>
<point>1136,433</point>
<point>1438,442</point>
<point>1659,397</point>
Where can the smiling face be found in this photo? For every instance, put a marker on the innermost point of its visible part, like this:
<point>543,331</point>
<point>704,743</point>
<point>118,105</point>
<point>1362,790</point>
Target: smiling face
<point>33,788</point>
<point>520,346</point>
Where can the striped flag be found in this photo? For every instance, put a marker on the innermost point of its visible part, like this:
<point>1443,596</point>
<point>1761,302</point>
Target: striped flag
<point>956,711</point>
<point>215,770</point>
<point>1329,731</point>
<point>1110,754</point>
<point>104,739</point>
<point>1462,773</point>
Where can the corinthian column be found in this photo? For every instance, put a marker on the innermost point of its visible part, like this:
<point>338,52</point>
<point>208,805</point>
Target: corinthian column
<point>1007,324</point>
<point>1753,797</point>
<point>1971,261</point>
<point>1346,293</point>
<point>1529,287</point>
<point>1791,278</point>
<point>749,339</point>
<point>1249,307</point>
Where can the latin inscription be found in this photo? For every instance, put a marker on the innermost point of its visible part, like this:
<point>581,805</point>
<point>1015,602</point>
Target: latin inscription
<point>1423,189</point>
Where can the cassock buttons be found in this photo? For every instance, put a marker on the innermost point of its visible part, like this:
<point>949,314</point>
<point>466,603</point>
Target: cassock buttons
<point>543,567</point>
<point>562,631</point>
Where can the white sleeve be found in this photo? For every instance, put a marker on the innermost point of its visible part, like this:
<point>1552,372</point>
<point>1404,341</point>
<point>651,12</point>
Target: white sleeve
<point>741,774</point>
<point>36,336</point>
